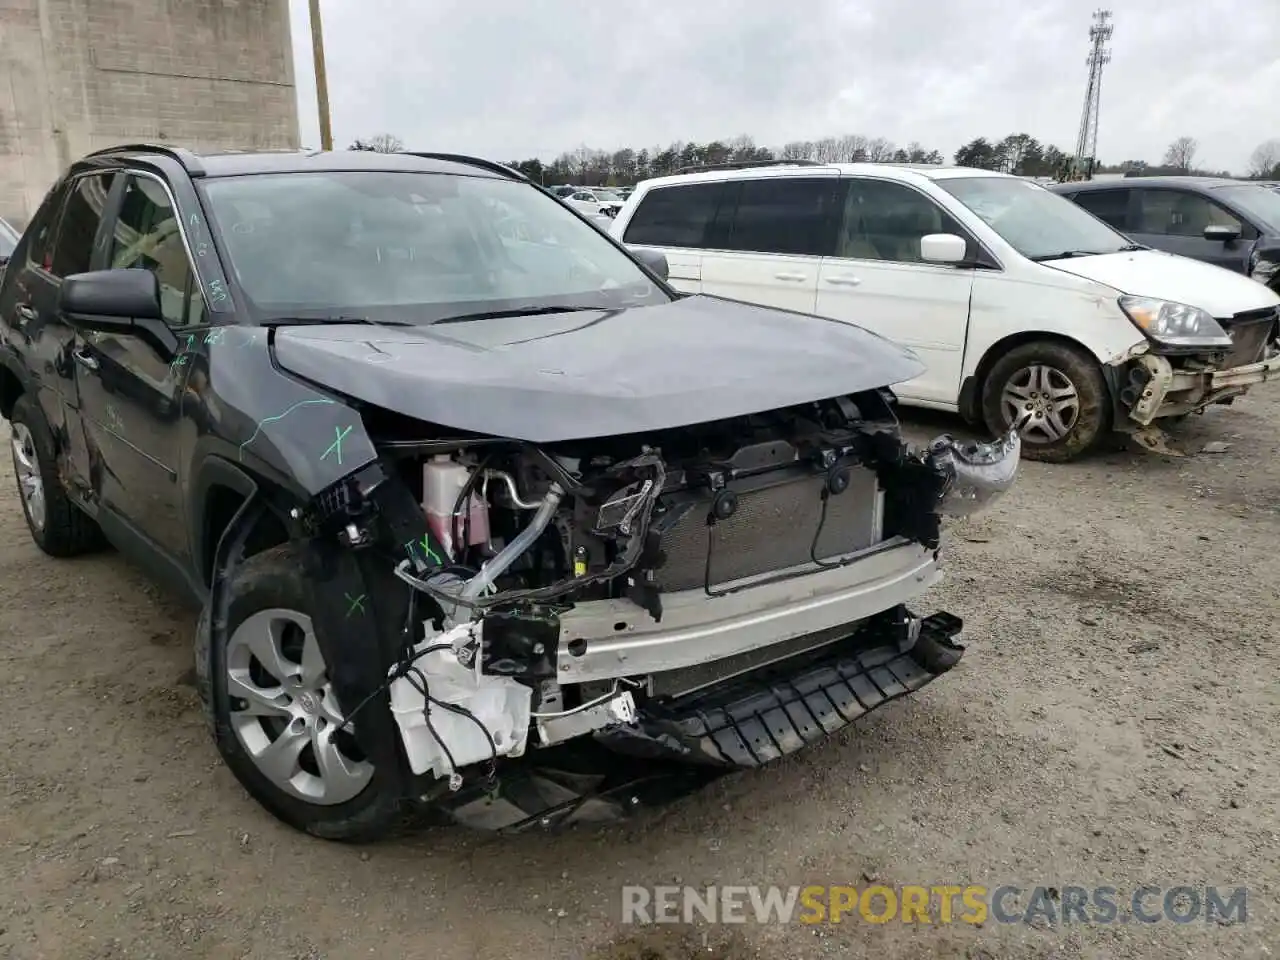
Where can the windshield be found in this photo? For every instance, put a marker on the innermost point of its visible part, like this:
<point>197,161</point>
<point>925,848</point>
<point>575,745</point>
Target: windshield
<point>1258,203</point>
<point>413,247</point>
<point>8,239</point>
<point>606,195</point>
<point>1036,222</point>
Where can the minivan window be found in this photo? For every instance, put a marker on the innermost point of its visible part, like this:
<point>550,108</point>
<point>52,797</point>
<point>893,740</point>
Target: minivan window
<point>1039,224</point>
<point>784,215</point>
<point>676,216</point>
<point>1260,203</point>
<point>885,221</point>
<point>81,217</point>
<point>1109,206</point>
<point>1179,213</point>
<point>414,247</point>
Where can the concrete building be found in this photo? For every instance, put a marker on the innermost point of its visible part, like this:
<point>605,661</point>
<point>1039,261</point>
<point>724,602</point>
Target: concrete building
<point>80,75</point>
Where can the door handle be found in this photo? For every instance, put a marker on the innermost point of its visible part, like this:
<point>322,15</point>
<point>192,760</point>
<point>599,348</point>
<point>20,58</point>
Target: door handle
<point>82,358</point>
<point>26,311</point>
<point>843,281</point>
<point>793,277</point>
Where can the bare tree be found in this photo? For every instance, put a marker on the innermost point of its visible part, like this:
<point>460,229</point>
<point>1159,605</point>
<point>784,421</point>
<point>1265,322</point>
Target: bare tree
<point>382,143</point>
<point>826,150</point>
<point>1181,154</point>
<point>880,150</point>
<point>796,150</point>
<point>853,146</point>
<point>1264,162</point>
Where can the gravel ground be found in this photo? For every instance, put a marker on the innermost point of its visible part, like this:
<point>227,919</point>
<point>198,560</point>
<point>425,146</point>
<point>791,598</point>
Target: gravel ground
<point>1113,724</point>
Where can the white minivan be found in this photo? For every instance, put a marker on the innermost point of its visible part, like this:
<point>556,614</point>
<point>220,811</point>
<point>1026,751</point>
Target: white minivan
<point>1019,302</point>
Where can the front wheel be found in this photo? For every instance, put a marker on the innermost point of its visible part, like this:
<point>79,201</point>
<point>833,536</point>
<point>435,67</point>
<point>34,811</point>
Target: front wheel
<point>277,722</point>
<point>1062,391</point>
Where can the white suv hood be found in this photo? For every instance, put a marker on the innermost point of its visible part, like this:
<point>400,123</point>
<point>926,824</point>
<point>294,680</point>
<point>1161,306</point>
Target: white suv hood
<point>1151,273</point>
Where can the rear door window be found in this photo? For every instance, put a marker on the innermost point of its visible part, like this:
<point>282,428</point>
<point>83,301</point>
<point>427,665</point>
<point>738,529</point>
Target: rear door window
<point>676,216</point>
<point>78,229</point>
<point>786,215</point>
<point>1109,206</point>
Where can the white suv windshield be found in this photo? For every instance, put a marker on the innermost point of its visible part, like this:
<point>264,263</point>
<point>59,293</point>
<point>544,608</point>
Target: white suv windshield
<point>1036,222</point>
<point>414,247</point>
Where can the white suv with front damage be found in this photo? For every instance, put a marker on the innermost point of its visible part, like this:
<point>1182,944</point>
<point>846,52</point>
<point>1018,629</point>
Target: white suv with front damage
<point>1019,302</point>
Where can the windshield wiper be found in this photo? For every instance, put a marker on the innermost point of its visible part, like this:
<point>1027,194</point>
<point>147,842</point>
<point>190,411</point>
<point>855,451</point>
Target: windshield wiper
<point>1065,255</point>
<point>336,319</point>
<point>1130,247</point>
<point>529,311</point>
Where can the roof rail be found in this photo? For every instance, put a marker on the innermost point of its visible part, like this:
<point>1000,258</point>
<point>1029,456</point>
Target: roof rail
<point>480,162</point>
<point>190,162</point>
<point>747,164</point>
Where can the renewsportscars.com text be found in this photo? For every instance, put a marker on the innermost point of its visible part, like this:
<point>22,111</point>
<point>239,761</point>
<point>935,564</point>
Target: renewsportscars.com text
<point>942,904</point>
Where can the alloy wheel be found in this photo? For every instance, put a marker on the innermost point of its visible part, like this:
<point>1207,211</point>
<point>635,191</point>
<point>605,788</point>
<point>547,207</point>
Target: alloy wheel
<point>26,467</point>
<point>285,714</point>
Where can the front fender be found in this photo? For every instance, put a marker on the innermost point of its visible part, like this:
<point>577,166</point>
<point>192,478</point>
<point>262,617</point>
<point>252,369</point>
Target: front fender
<point>253,415</point>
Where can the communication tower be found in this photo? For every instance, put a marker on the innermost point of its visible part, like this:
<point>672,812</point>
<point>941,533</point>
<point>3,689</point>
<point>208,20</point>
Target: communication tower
<point>1099,56</point>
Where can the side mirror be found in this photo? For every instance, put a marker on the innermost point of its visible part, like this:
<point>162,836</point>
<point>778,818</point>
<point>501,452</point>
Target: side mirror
<point>1221,233</point>
<point>110,300</point>
<point>655,260</point>
<point>118,301</point>
<point>943,248</point>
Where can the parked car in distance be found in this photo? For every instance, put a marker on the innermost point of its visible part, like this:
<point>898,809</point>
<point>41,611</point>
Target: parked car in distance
<point>610,201</point>
<point>1016,299</point>
<point>455,477</point>
<point>1229,223</point>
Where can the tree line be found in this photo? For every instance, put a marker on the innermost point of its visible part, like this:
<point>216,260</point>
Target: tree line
<point>1017,153</point>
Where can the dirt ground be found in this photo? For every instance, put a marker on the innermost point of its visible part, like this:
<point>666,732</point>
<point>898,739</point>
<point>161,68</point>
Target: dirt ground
<point>1114,723</point>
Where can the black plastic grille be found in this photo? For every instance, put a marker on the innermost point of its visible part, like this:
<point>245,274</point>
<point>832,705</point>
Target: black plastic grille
<point>1249,332</point>
<point>773,529</point>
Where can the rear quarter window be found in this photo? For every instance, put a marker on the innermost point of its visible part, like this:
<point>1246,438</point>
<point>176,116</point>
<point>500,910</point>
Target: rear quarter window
<point>675,216</point>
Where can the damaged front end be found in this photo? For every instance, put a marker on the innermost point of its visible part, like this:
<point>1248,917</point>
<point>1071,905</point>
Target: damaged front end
<point>707,597</point>
<point>1171,377</point>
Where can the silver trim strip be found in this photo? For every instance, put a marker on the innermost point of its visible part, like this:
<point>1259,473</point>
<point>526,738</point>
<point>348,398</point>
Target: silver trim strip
<point>623,640</point>
<point>182,232</point>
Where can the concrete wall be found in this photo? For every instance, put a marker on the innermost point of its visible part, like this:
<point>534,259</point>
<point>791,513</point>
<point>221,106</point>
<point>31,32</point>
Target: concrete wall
<point>79,75</point>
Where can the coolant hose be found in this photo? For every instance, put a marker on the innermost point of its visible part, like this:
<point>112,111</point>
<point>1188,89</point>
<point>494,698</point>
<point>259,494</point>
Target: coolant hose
<point>509,554</point>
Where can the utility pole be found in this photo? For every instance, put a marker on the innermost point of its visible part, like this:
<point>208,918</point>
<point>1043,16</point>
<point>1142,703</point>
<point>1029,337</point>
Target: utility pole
<point>1099,56</point>
<point>322,80</point>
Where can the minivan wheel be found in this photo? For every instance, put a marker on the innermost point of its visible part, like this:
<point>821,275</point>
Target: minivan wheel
<point>1062,389</point>
<point>58,526</point>
<point>277,722</point>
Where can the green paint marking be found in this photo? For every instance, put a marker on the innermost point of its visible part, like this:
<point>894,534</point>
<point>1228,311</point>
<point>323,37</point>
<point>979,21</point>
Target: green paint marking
<point>426,548</point>
<point>279,416</point>
<point>335,448</point>
<point>355,604</point>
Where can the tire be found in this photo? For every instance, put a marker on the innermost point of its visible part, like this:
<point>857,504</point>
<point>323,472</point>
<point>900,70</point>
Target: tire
<point>269,606</point>
<point>1034,373</point>
<point>58,526</point>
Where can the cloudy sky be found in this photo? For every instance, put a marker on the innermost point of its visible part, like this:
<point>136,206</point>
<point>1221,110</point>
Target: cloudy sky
<point>511,79</point>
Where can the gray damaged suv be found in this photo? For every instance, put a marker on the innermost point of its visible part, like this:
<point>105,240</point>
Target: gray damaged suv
<point>480,513</point>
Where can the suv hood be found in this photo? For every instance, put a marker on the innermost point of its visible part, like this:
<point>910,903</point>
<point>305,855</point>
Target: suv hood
<point>1152,273</point>
<point>565,376</point>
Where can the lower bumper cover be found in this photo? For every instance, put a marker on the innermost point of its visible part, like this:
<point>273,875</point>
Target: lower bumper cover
<point>689,741</point>
<point>777,711</point>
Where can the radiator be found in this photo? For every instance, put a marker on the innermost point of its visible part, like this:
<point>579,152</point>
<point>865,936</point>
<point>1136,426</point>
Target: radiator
<point>772,529</point>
